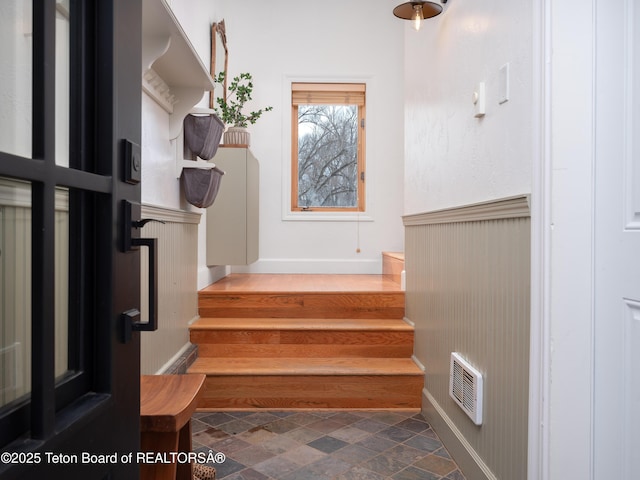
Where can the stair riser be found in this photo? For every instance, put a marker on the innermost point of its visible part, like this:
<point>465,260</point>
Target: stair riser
<point>393,265</point>
<point>308,305</point>
<point>301,337</point>
<point>303,351</point>
<point>310,391</point>
<point>261,343</point>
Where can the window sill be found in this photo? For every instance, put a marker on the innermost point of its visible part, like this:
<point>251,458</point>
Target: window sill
<point>320,216</point>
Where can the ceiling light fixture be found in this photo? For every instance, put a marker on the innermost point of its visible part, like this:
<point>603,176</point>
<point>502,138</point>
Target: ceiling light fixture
<point>418,11</point>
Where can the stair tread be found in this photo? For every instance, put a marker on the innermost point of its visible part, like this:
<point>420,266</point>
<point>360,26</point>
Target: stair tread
<point>305,366</point>
<point>301,283</point>
<point>363,324</point>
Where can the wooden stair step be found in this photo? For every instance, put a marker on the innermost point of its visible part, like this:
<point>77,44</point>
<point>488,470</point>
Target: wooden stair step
<point>210,331</point>
<point>228,392</point>
<point>283,383</point>
<point>305,366</point>
<point>214,303</point>
<point>261,350</point>
<point>261,323</point>
<point>286,341</point>
<point>300,337</point>
<point>292,282</point>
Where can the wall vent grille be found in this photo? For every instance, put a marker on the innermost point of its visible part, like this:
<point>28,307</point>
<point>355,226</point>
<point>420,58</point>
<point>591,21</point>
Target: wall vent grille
<point>465,387</point>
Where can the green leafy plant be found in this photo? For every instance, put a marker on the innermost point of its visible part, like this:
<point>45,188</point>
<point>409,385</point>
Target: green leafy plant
<point>239,93</point>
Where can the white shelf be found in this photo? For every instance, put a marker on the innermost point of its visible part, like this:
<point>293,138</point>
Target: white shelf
<point>202,164</point>
<point>172,72</point>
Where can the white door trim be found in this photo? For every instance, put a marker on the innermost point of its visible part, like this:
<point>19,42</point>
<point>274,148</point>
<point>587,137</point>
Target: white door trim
<point>539,363</point>
<point>561,413</point>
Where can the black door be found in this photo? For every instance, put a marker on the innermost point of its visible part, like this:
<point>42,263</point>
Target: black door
<point>69,115</point>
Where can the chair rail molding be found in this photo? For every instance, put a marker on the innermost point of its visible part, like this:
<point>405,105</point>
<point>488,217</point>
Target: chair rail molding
<point>510,207</point>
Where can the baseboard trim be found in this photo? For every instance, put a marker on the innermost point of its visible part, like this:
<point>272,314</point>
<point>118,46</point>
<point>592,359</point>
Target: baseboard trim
<point>181,361</point>
<point>409,322</point>
<point>312,266</point>
<point>472,466</point>
<point>418,363</point>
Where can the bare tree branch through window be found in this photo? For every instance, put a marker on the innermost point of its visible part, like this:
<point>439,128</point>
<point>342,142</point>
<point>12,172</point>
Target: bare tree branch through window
<point>328,157</point>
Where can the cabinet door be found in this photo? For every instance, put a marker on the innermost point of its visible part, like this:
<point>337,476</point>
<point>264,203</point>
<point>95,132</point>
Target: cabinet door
<point>232,221</point>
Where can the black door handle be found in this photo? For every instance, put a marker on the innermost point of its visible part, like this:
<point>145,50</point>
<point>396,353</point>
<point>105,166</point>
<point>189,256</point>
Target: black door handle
<point>152,245</point>
<point>131,318</point>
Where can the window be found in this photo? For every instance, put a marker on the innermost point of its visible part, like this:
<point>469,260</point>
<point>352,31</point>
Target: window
<point>327,147</point>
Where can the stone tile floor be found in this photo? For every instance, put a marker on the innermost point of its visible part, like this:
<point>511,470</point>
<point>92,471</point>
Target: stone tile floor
<point>319,445</point>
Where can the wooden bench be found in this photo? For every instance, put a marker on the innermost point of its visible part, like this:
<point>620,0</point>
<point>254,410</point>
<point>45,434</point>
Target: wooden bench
<point>166,405</point>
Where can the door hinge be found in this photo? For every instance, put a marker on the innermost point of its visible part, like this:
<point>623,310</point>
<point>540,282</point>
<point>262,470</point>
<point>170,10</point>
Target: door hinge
<point>362,176</point>
<point>362,123</point>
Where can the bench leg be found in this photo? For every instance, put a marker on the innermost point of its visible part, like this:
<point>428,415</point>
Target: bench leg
<point>158,442</point>
<point>185,470</point>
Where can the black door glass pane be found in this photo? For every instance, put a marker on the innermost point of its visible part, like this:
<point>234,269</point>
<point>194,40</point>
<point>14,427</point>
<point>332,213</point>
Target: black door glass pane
<point>16,53</point>
<point>15,291</point>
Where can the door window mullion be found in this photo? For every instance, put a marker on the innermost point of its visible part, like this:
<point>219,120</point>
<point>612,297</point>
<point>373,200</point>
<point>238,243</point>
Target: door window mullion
<point>44,79</point>
<point>43,312</point>
<point>43,222</point>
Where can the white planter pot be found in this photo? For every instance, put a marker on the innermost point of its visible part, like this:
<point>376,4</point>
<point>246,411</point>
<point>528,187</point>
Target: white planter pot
<point>236,136</point>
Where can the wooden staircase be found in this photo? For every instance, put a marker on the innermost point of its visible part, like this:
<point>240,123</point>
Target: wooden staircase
<point>304,345</point>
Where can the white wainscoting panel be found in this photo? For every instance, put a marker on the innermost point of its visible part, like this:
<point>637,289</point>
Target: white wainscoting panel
<point>177,285</point>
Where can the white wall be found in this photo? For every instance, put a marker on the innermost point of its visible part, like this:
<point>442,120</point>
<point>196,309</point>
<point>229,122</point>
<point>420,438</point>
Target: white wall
<point>451,157</point>
<point>274,52</point>
<point>196,17</point>
<point>282,40</point>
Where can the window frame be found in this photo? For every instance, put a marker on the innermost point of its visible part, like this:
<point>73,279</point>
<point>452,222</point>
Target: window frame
<point>329,93</point>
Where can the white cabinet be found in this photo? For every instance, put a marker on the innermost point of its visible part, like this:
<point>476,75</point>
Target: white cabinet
<point>232,220</point>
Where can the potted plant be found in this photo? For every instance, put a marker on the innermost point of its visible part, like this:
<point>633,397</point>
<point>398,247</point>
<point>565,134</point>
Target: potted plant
<point>229,108</point>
